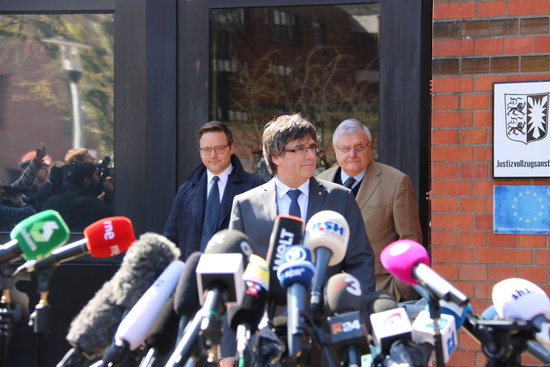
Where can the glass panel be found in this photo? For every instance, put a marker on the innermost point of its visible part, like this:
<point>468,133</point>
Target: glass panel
<point>321,61</point>
<point>56,88</point>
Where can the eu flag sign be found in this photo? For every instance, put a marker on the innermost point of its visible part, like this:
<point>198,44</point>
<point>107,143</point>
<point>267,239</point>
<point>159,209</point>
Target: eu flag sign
<point>521,209</point>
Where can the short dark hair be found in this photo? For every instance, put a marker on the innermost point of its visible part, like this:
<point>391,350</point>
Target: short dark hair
<point>211,126</point>
<point>280,131</point>
<point>81,170</point>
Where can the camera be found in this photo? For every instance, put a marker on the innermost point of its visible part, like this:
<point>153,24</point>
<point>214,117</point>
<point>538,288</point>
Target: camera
<point>104,170</point>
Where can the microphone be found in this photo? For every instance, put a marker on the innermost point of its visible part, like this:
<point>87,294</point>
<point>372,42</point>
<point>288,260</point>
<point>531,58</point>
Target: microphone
<point>408,261</point>
<point>389,322</point>
<point>137,324</point>
<point>35,237</point>
<point>92,330</point>
<point>295,275</point>
<point>346,327</point>
<point>423,332</point>
<point>219,281</point>
<point>327,237</point>
<point>287,231</point>
<point>186,295</point>
<point>244,320</point>
<point>519,299</point>
<point>104,238</point>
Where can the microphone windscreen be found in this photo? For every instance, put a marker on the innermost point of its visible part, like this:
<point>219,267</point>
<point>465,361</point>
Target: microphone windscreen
<point>490,313</point>
<point>257,271</point>
<point>252,307</point>
<point>93,328</point>
<point>230,241</point>
<point>186,296</point>
<point>519,299</point>
<point>287,231</point>
<point>380,301</point>
<point>400,258</point>
<point>344,293</point>
<point>109,236</point>
<point>296,267</point>
<point>144,261</point>
<point>329,229</point>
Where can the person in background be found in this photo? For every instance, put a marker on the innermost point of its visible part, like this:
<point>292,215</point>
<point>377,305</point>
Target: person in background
<point>384,194</point>
<point>203,202</point>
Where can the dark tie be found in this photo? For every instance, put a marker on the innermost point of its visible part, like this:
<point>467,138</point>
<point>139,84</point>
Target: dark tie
<point>349,182</point>
<point>211,213</point>
<point>294,208</point>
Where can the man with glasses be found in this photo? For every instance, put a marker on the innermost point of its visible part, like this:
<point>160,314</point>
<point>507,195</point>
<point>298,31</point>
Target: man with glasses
<point>290,149</point>
<point>203,203</point>
<point>385,196</point>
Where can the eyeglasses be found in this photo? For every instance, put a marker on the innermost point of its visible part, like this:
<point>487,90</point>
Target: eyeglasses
<point>358,148</point>
<point>302,149</point>
<point>219,149</point>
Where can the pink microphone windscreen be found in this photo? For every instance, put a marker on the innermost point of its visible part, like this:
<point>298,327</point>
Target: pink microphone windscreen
<point>400,258</point>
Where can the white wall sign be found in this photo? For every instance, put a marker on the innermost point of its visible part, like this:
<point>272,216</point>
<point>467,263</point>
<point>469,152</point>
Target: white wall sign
<point>521,146</point>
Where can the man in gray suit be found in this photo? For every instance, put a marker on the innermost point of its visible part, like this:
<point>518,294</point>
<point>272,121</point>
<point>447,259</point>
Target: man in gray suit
<point>290,147</point>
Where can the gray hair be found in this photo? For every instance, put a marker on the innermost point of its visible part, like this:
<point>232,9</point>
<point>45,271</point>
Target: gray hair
<point>350,126</point>
<point>280,131</point>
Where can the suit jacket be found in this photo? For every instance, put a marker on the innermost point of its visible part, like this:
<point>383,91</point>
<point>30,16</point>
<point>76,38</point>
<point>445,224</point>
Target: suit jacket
<point>184,225</point>
<point>387,202</point>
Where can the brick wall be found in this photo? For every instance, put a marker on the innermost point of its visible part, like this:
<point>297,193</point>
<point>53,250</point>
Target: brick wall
<point>476,43</point>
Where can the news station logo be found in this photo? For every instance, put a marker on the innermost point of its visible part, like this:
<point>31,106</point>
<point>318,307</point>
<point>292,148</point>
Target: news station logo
<point>526,117</point>
<point>328,226</point>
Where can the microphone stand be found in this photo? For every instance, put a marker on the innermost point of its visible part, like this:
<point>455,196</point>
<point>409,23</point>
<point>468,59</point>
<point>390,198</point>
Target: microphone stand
<point>40,319</point>
<point>7,314</point>
<point>435,315</point>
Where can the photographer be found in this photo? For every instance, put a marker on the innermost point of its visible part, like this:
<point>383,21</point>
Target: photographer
<point>12,208</point>
<point>88,199</point>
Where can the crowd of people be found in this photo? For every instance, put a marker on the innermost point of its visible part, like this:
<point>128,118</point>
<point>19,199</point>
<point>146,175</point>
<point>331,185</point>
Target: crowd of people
<point>79,188</point>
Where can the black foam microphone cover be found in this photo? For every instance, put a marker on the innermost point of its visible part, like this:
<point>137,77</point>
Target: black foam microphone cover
<point>343,293</point>
<point>252,307</point>
<point>186,295</point>
<point>230,241</point>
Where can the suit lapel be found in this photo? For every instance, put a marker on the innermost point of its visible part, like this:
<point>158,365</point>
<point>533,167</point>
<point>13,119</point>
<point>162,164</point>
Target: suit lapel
<point>369,185</point>
<point>317,195</point>
<point>269,200</point>
<point>198,191</point>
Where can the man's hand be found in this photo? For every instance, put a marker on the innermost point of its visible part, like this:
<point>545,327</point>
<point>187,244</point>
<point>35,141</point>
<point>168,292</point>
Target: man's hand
<point>227,362</point>
<point>40,154</point>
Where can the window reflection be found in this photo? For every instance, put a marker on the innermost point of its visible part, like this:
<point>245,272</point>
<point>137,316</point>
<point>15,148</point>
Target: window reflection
<point>321,61</point>
<point>56,99</point>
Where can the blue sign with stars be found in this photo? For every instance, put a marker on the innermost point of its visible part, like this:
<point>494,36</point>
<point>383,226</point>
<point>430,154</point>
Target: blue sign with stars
<point>521,209</point>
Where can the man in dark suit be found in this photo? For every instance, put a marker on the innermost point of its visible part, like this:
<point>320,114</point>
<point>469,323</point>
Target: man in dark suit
<point>384,194</point>
<point>203,203</point>
<point>289,147</point>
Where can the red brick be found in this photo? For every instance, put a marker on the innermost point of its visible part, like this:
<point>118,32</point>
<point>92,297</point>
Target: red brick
<point>447,271</point>
<point>485,83</point>
<point>452,84</point>
<point>532,241</point>
<point>518,45</point>
<point>483,290</point>
<point>444,136</point>
<point>483,222</point>
<point>467,342</point>
<point>452,221</point>
<point>474,170</point>
<point>444,238</point>
<point>466,287</point>
<point>461,358</point>
<point>535,274</point>
<point>473,238</point>
<point>474,101</point>
<point>473,136</point>
<point>445,102</point>
<point>444,170</point>
<point>453,255</point>
<point>483,154</point>
<point>462,47</point>
<point>501,240</point>
<point>472,272</point>
<point>451,119</point>
<point>491,8</point>
<point>503,256</point>
<point>444,204</point>
<point>501,272</point>
<point>473,205</point>
<point>448,187</point>
<point>488,46</point>
<point>483,118</point>
<point>542,44</point>
<point>522,7</point>
<point>454,10</point>
<point>451,154</point>
<point>483,188</point>
<point>542,257</point>
<point>528,77</point>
